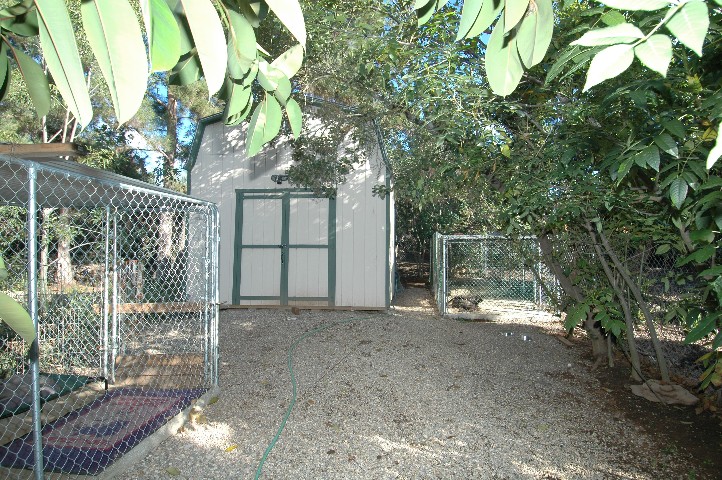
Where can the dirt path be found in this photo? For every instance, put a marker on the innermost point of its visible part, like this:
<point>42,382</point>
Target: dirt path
<point>407,394</point>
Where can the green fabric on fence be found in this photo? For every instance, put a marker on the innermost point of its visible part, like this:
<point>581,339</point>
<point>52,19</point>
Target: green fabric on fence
<point>16,392</point>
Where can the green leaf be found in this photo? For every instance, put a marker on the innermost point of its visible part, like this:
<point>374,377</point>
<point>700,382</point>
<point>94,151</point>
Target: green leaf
<point>17,318</point>
<point>19,20</point>
<point>35,80</point>
<point>274,117</point>
<point>535,33</point>
<point>662,249</point>
<point>469,15</point>
<point>269,76</point>
<point>649,156</point>
<point>690,25</point>
<point>425,9</point>
<point>717,343</point>
<point>621,33</point>
<point>238,99</point>
<point>667,144</point>
<point>700,255</point>
<point>576,315</point>
<point>678,191</point>
<point>608,63</point>
<point>290,14</point>
<point>489,12</point>
<point>254,11</point>
<point>187,71</point>
<point>264,126</point>
<point>5,83</point>
<point>4,74</point>
<point>503,65</point>
<point>295,117</point>
<point>715,153</point>
<point>117,42</point>
<point>612,17</point>
<point>283,90</point>
<point>705,235</point>
<point>290,61</point>
<point>703,328</point>
<point>513,13</point>
<point>674,127</point>
<point>711,271</point>
<point>57,39</point>
<point>636,5</point>
<point>655,53</point>
<point>242,50</point>
<point>568,55</point>
<point>163,34</point>
<point>209,40</point>
<point>624,168</point>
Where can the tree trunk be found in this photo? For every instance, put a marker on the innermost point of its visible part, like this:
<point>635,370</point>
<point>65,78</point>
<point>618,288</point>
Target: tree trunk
<point>628,321</point>
<point>637,293</point>
<point>64,270</point>
<point>599,344</point>
<point>167,219</point>
<point>44,251</point>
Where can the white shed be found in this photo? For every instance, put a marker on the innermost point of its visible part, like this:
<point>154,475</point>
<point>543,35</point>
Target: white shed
<point>281,245</point>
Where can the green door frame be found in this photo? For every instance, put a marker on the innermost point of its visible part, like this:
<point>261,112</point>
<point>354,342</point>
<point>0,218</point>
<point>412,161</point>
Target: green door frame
<point>285,195</point>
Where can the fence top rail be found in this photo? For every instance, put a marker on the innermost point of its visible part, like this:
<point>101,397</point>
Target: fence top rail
<point>484,237</point>
<point>85,185</point>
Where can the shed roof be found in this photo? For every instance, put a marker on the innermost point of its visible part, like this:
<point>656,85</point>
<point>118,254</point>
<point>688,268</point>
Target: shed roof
<point>308,99</point>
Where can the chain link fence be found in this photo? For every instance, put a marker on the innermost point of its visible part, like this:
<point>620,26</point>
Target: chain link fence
<point>488,274</point>
<point>119,278</point>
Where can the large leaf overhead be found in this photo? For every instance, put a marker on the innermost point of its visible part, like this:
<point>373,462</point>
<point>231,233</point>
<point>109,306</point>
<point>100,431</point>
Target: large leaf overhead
<point>60,51</point>
<point>513,13</point>
<point>535,32</point>
<point>116,39</point>
<point>489,11</point>
<point>503,65</point>
<point>265,124</point>
<point>290,14</point>
<point>35,80</point>
<point>17,318</point>
<point>209,41</point>
<point>609,63</point>
<point>690,25</point>
<point>290,61</point>
<point>162,33</point>
<point>295,117</point>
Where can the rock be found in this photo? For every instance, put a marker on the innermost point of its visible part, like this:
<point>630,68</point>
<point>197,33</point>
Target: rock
<point>671,394</point>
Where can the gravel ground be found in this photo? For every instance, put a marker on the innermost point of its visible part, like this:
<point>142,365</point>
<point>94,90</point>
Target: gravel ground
<point>405,394</point>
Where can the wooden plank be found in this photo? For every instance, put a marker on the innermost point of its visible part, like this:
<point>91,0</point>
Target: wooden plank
<point>167,307</point>
<point>37,151</point>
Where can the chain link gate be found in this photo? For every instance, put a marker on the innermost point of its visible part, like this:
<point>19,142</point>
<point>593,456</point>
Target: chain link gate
<point>484,273</point>
<point>120,280</point>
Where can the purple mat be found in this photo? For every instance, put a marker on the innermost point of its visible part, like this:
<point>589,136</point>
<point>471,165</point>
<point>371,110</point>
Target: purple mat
<point>90,439</point>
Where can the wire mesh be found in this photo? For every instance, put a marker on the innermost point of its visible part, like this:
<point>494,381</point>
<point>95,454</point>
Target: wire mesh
<point>488,273</point>
<point>120,280</point>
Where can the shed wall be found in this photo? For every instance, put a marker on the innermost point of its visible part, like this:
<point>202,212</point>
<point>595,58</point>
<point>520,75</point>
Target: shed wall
<point>364,222</point>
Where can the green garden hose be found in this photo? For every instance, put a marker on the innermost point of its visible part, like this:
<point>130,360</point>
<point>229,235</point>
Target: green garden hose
<point>309,333</point>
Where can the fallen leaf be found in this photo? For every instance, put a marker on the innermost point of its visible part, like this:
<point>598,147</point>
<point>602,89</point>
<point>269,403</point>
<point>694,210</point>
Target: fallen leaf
<point>173,471</point>
<point>231,448</point>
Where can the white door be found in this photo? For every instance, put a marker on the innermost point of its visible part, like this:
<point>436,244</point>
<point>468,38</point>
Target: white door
<point>285,249</point>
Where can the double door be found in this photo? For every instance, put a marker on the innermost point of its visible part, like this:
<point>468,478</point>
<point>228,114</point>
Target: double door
<point>284,248</point>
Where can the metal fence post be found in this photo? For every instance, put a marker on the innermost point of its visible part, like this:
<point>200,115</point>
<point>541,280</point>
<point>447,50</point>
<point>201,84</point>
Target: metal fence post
<point>444,266</point>
<point>32,211</point>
